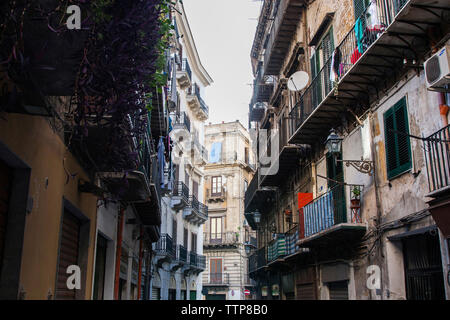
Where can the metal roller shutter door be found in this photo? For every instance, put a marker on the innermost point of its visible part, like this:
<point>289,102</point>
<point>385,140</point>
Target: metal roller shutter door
<point>5,185</point>
<point>68,255</point>
<point>156,293</point>
<point>306,292</point>
<point>338,290</point>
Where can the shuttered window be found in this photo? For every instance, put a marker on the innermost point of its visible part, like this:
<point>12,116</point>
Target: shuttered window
<point>396,130</point>
<point>68,255</point>
<point>360,7</point>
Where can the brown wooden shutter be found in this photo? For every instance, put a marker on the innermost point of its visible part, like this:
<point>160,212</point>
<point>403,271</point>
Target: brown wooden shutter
<point>5,186</point>
<point>68,255</point>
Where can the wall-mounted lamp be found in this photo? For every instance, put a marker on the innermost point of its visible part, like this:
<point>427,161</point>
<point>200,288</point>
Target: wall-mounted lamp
<point>334,146</point>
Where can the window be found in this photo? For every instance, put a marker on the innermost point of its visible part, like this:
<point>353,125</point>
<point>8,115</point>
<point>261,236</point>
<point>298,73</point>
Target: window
<point>324,51</point>
<point>216,229</point>
<point>174,231</point>
<point>245,185</point>
<point>216,186</point>
<point>360,6</point>
<point>194,242</point>
<point>215,270</point>
<point>396,131</point>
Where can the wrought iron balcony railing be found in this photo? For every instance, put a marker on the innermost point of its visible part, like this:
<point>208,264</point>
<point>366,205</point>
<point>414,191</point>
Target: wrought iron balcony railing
<point>164,246</point>
<point>181,253</point>
<point>222,238</point>
<point>186,67</point>
<point>218,279</point>
<point>437,155</point>
<point>196,101</point>
<point>201,262</point>
<point>181,190</point>
<point>182,121</point>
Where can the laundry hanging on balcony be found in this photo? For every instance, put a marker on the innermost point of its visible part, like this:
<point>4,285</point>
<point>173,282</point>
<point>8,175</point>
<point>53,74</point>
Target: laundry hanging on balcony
<point>336,65</point>
<point>359,34</point>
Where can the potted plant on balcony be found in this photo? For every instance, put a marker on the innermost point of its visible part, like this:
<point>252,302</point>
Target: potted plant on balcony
<point>355,198</point>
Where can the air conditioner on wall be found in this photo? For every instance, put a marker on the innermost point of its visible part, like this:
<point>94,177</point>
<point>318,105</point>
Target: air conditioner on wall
<point>437,70</point>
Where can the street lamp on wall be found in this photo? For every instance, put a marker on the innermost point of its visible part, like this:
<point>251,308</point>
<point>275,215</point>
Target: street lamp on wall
<point>334,146</point>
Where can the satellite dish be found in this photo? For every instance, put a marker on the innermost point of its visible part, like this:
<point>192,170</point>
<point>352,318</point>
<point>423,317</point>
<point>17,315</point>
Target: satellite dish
<point>298,81</point>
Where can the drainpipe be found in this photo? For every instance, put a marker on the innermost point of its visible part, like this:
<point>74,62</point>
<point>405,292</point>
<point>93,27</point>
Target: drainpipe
<point>377,199</point>
<point>140,265</point>
<point>118,253</point>
<point>443,108</point>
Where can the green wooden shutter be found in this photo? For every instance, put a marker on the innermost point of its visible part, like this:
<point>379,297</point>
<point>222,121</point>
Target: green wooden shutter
<point>327,46</point>
<point>398,148</point>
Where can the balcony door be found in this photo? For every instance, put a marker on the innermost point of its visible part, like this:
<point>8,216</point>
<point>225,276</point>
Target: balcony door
<point>216,229</point>
<point>216,186</point>
<point>215,269</point>
<point>335,171</point>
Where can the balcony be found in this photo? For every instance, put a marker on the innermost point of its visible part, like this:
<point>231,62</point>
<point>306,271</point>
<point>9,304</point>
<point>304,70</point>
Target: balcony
<point>279,157</point>
<point>216,197</point>
<point>197,262</point>
<point>180,259</point>
<point>262,87</point>
<point>224,239</point>
<point>257,198</point>
<point>195,212</point>
<point>180,196</point>
<point>150,211</point>
<point>216,280</point>
<point>182,122</point>
<point>333,218</point>
<point>184,74</point>
<point>164,250</point>
<point>437,151</point>
<point>196,103</point>
<point>371,61</point>
<point>287,17</point>
<point>437,155</point>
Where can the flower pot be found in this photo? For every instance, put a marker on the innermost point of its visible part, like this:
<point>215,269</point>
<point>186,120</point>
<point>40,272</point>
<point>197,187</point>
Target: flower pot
<point>355,203</point>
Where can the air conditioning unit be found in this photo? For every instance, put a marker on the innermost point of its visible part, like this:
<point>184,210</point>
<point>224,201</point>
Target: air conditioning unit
<point>437,70</point>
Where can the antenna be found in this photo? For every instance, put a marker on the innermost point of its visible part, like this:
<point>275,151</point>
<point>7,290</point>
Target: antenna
<point>298,81</point>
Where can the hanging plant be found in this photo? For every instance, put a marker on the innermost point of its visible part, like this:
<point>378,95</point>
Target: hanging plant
<point>116,61</point>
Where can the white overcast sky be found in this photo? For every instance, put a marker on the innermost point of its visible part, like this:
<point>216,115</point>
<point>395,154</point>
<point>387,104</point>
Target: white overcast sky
<point>223,32</point>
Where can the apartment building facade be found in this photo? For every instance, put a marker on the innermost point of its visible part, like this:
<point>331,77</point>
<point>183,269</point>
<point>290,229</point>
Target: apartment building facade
<point>79,190</point>
<point>178,259</point>
<point>360,156</point>
<point>226,234</point>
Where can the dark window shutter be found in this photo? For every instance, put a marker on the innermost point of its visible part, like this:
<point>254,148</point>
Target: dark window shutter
<point>398,149</point>
<point>360,6</point>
